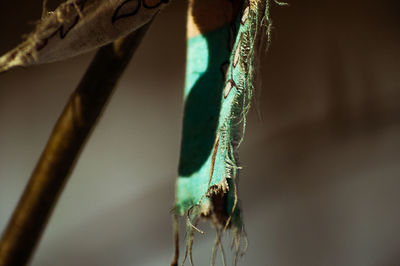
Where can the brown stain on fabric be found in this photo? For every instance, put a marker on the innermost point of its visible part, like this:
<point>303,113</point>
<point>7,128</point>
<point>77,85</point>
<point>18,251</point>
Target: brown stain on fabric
<point>208,15</point>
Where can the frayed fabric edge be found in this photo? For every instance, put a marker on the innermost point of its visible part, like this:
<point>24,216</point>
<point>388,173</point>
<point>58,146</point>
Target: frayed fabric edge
<point>231,134</point>
<point>207,210</point>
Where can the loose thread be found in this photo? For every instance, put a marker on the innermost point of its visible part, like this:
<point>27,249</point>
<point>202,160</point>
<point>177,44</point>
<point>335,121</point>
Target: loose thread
<point>175,259</point>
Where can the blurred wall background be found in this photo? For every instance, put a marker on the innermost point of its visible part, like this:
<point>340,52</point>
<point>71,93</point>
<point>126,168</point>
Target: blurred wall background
<point>321,155</point>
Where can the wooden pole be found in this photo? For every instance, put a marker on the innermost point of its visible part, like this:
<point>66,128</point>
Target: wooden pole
<point>57,161</point>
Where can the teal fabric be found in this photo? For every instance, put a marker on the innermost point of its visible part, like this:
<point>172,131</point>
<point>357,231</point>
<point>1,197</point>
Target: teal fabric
<point>220,73</point>
<point>206,55</point>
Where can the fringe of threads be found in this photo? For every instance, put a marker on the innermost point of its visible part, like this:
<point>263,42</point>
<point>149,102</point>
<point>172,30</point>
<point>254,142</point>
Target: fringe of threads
<point>253,33</point>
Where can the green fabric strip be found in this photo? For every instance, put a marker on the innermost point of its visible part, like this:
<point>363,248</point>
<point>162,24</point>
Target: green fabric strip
<point>206,56</point>
<point>220,76</point>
